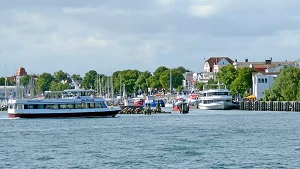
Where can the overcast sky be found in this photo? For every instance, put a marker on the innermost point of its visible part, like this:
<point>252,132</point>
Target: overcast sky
<point>109,35</point>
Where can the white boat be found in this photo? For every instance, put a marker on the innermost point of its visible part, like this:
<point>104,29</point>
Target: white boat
<point>193,100</point>
<point>67,103</point>
<point>215,99</point>
<point>169,104</point>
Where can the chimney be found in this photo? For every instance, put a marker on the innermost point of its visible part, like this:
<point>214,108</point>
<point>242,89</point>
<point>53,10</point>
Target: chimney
<point>246,60</point>
<point>268,62</point>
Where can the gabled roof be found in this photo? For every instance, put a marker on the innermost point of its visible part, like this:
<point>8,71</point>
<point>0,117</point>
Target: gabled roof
<point>214,60</point>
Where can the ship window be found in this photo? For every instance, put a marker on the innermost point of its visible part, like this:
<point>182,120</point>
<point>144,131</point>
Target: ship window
<point>103,105</point>
<point>259,80</point>
<point>70,106</point>
<point>30,106</point>
<point>92,105</point>
<point>262,80</point>
<point>55,106</point>
<point>266,81</point>
<point>98,105</point>
<point>63,106</point>
<point>40,106</point>
<point>19,106</point>
<point>85,105</point>
<point>78,106</point>
<point>49,106</point>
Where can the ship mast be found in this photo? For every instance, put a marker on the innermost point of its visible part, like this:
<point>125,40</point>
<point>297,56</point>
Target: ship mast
<point>171,81</point>
<point>5,79</point>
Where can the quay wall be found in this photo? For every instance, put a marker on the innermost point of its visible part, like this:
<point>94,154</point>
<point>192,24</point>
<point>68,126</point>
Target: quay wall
<point>270,106</point>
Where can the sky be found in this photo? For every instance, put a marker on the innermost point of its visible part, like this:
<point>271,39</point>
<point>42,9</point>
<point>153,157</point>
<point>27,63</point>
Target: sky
<point>109,35</point>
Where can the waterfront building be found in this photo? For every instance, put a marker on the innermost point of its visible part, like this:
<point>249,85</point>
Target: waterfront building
<point>262,81</point>
<point>214,64</point>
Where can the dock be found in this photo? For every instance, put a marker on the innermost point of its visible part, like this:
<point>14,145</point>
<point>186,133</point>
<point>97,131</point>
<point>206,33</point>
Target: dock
<point>270,106</point>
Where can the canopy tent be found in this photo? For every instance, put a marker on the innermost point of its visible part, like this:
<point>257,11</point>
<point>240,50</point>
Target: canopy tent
<point>251,97</point>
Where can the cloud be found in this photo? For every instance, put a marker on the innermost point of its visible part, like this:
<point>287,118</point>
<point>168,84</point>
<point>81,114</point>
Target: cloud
<point>79,10</point>
<point>202,11</point>
<point>143,35</point>
<point>165,2</point>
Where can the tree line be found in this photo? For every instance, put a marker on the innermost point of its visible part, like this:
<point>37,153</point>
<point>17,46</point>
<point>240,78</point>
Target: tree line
<point>238,81</point>
<point>133,80</point>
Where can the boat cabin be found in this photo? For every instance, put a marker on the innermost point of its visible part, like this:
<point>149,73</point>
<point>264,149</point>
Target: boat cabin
<point>70,93</point>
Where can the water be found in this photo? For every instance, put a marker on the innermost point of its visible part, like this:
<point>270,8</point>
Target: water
<point>200,139</point>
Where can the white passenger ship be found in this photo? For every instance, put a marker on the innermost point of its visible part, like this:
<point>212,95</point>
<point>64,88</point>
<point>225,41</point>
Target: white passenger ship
<point>67,103</point>
<point>215,99</point>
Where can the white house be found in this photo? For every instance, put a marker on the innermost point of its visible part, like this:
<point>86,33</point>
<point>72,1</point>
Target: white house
<point>261,83</point>
<point>214,64</point>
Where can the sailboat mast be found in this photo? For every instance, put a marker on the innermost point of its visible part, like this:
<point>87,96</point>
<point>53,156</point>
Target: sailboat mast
<point>170,80</point>
<point>5,79</point>
<point>120,84</point>
<point>112,89</point>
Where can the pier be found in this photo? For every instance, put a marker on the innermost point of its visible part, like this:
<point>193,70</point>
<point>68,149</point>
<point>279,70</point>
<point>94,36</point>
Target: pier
<point>270,106</point>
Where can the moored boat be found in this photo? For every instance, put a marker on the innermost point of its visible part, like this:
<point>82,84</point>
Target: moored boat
<point>216,99</point>
<point>67,103</point>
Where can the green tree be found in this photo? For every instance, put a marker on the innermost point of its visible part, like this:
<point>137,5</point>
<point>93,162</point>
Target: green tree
<point>285,86</point>
<point>142,81</point>
<point>199,85</point>
<point>2,81</point>
<point>76,77</point>
<point>182,69</point>
<point>89,79</point>
<point>153,82</point>
<point>24,81</point>
<point>58,86</point>
<point>43,83</point>
<point>129,77</point>
<point>242,82</point>
<point>159,70</point>
<point>60,75</point>
<point>177,78</point>
<point>227,75</point>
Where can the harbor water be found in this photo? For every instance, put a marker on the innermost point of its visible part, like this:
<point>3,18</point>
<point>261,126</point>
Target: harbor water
<point>199,139</point>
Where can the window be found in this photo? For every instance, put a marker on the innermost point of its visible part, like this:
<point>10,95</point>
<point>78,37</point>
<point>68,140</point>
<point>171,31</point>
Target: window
<point>78,106</point>
<point>103,105</point>
<point>70,106</point>
<point>41,106</point>
<point>259,80</point>
<point>63,106</point>
<point>92,105</point>
<point>263,80</point>
<point>266,81</point>
<point>98,105</point>
<point>55,106</point>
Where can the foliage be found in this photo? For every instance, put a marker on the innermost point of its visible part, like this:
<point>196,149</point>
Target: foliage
<point>142,80</point>
<point>24,81</point>
<point>76,77</point>
<point>153,82</point>
<point>43,83</point>
<point>60,75</point>
<point>129,77</point>
<point>285,86</point>
<point>159,70</point>
<point>89,79</point>
<point>2,81</point>
<point>227,75</point>
<point>242,82</point>
<point>182,69</point>
<point>199,85</point>
<point>58,86</point>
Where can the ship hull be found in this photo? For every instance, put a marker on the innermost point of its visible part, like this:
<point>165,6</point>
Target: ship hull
<point>216,106</point>
<point>111,113</point>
